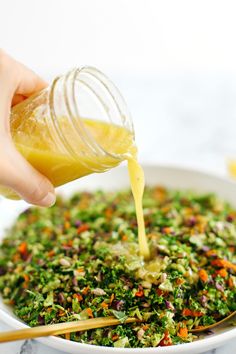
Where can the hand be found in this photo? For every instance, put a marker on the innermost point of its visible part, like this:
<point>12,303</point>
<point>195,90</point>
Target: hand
<point>17,83</point>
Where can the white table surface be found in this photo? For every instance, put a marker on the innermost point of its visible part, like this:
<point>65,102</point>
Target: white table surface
<point>182,120</point>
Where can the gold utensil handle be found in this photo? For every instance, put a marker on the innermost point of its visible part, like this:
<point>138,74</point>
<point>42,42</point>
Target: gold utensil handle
<point>205,328</point>
<point>77,326</point>
<point>61,328</point>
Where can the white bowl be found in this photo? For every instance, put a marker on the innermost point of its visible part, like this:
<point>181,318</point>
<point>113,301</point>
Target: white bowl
<point>172,177</point>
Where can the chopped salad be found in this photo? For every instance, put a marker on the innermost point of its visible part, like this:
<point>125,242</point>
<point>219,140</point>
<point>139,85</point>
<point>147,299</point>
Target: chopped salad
<point>80,260</point>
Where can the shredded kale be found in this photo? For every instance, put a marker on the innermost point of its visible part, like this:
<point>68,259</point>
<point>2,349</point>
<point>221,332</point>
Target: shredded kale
<point>80,259</point>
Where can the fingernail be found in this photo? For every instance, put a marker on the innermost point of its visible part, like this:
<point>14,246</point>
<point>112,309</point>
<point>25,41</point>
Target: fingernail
<point>48,200</point>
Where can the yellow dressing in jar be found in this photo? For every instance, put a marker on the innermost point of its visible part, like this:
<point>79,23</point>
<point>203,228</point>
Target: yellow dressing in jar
<point>53,133</point>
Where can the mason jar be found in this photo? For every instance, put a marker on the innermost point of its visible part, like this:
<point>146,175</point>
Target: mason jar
<point>78,125</point>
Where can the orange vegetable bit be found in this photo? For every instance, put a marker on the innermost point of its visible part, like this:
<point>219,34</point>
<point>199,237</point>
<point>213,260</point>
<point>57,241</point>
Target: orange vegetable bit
<point>67,225</point>
<point>167,230</point>
<point>145,327</point>
<point>183,332</point>
<point>223,263</point>
<point>211,253</point>
<point>108,213</point>
<point>82,228</point>
<point>89,312</point>
<point>166,341</point>
<point>222,272</point>
<point>203,275</point>
<point>231,283</point>
<point>61,313</point>
<point>22,248</point>
<point>51,253</point>
<point>26,277</point>
<point>139,293</point>
<point>179,281</point>
<point>80,270</point>
<point>85,290</point>
<point>78,297</point>
<point>104,305</point>
<point>187,312</point>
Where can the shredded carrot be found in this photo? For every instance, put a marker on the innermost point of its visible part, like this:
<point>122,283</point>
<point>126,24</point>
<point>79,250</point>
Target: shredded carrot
<point>183,332</point>
<point>66,225</point>
<point>25,285</point>
<point>197,313</point>
<point>82,228</point>
<point>78,297</point>
<point>203,275</point>
<point>85,290</point>
<point>139,293</point>
<point>68,243</point>
<point>22,248</point>
<point>167,230</point>
<point>211,253</point>
<point>89,312</point>
<point>108,213</point>
<point>166,341</point>
<point>61,313</point>
<point>104,305</point>
<point>179,281</point>
<point>224,263</point>
<point>231,282</point>
<point>194,313</point>
<point>26,277</point>
<point>222,272</point>
<point>124,238</point>
<point>51,253</point>
<point>80,270</point>
<point>186,312</point>
<point>160,292</point>
<point>145,327</point>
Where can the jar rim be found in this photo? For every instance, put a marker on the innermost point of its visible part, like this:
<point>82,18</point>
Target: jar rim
<point>116,96</point>
<point>71,95</point>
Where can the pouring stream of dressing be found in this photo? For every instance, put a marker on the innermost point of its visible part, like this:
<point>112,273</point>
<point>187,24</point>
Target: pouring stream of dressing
<point>137,183</point>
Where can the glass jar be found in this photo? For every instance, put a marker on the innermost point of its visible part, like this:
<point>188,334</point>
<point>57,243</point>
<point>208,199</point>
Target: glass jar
<point>78,125</point>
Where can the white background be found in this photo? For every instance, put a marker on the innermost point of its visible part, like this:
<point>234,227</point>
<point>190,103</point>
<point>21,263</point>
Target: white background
<point>135,36</point>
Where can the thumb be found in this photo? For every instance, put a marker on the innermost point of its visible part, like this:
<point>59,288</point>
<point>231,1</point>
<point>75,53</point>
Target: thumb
<point>19,175</point>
